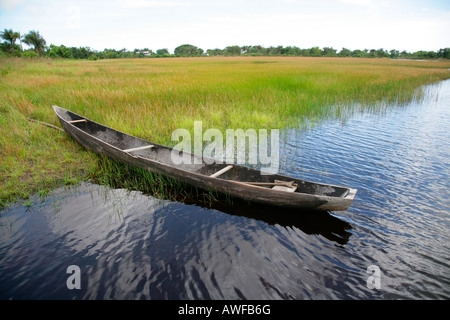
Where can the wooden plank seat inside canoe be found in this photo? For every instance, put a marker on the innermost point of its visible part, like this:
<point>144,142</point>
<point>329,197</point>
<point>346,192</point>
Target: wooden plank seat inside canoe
<point>275,183</point>
<point>139,148</point>
<point>77,121</point>
<point>288,186</point>
<point>222,171</point>
<point>285,186</point>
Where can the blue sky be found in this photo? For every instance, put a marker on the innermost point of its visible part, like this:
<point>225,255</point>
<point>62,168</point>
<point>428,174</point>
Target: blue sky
<point>354,24</point>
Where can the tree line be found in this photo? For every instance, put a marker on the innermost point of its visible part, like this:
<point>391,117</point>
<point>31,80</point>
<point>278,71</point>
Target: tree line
<point>38,47</point>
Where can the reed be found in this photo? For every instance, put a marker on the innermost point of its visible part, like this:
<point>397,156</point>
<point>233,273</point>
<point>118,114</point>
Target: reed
<point>150,98</point>
<point>119,175</point>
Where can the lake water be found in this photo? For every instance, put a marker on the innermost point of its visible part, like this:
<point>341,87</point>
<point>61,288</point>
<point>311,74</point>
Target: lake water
<point>128,245</point>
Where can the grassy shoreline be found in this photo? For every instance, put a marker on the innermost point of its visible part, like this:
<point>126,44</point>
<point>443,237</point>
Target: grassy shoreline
<point>150,98</point>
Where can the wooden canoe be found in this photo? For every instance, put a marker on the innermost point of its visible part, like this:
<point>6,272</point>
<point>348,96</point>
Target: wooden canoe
<point>234,180</point>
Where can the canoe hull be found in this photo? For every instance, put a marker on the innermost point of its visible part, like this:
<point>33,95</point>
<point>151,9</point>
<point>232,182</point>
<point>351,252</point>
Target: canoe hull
<point>237,189</point>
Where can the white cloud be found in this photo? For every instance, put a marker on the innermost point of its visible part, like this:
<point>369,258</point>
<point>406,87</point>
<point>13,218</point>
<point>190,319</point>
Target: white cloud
<point>363,3</point>
<point>140,4</point>
<point>10,4</point>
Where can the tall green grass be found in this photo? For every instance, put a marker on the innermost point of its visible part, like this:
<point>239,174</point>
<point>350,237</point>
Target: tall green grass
<point>150,98</point>
<point>120,175</point>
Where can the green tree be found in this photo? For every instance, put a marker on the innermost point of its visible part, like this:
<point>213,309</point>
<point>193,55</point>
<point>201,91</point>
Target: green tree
<point>425,54</point>
<point>84,53</point>
<point>188,50</point>
<point>10,38</point>
<point>59,52</point>
<point>405,54</point>
<point>380,53</point>
<point>29,54</point>
<point>291,51</point>
<point>444,53</point>
<point>124,53</point>
<point>214,52</point>
<point>256,49</point>
<point>394,53</point>
<point>245,49</point>
<point>232,50</point>
<point>360,53</point>
<point>344,53</point>
<point>315,52</point>
<point>274,50</point>
<point>110,54</point>
<point>34,39</point>
<point>162,52</point>
<point>329,52</point>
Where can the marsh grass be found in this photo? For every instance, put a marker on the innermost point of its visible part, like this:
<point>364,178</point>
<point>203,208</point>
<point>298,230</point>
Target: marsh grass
<point>150,98</point>
<point>119,175</point>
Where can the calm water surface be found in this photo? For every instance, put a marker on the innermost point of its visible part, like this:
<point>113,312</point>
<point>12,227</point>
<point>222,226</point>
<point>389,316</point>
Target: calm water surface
<point>133,246</point>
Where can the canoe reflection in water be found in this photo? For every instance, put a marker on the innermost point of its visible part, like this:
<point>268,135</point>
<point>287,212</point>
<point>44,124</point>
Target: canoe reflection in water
<point>308,221</point>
